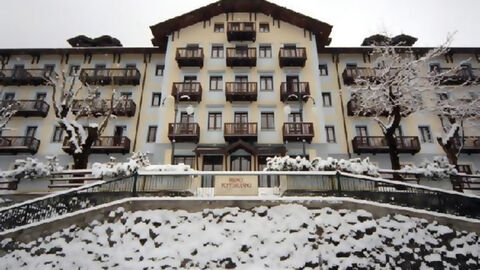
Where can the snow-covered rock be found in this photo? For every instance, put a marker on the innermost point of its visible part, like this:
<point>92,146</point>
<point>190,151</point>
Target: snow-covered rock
<point>281,237</point>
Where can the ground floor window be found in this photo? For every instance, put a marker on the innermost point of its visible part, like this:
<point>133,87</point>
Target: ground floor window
<point>266,180</point>
<point>240,163</point>
<point>211,163</point>
<point>187,160</point>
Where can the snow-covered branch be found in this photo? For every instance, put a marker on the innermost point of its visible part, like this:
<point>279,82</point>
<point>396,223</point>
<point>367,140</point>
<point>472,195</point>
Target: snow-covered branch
<point>31,168</point>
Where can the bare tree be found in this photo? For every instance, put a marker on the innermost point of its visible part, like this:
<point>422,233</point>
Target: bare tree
<point>80,138</point>
<point>455,115</point>
<point>395,87</point>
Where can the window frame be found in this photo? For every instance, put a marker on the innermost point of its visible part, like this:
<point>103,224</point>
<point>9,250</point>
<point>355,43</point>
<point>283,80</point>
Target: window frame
<point>154,94</point>
<point>217,51</point>
<point>265,125</point>
<point>218,82</point>
<point>266,78</point>
<point>327,134</point>
<point>267,51</point>
<point>216,116</point>
<point>151,128</point>
<point>184,158</point>
<point>423,139</point>
<point>72,68</point>
<point>159,69</point>
<point>262,28</point>
<point>57,129</point>
<point>327,96</point>
<point>222,28</point>
<point>323,69</point>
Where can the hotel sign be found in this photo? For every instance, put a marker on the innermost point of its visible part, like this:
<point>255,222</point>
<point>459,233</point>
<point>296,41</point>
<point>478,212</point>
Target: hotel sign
<point>236,185</point>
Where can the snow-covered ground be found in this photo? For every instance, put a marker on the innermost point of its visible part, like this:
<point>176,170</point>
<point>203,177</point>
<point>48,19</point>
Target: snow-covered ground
<point>288,236</point>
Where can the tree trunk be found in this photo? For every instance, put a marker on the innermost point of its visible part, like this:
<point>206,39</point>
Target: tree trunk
<point>450,150</point>
<point>80,161</point>
<point>393,151</point>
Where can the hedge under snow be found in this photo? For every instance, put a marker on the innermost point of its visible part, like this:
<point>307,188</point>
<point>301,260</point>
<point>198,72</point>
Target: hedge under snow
<point>355,165</point>
<point>31,168</point>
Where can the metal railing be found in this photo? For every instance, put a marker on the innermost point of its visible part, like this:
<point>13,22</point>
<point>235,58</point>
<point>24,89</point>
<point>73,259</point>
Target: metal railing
<point>22,76</point>
<point>295,129</point>
<point>408,144</point>
<point>182,129</point>
<point>187,91</point>
<point>121,107</point>
<point>189,53</point>
<point>293,53</point>
<point>241,27</point>
<point>104,144</point>
<point>27,107</point>
<point>245,53</point>
<point>290,91</point>
<point>19,144</point>
<point>240,129</point>
<point>305,183</point>
<point>468,144</point>
<point>104,76</point>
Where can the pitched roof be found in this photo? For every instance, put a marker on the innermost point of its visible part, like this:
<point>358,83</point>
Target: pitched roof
<point>320,29</point>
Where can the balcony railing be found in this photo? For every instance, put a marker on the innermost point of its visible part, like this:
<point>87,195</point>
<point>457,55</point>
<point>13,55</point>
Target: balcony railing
<point>184,132</point>
<point>121,107</point>
<point>241,57</point>
<point>241,91</point>
<point>461,76</point>
<point>294,57</point>
<point>350,74</point>
<point>378,144</point>
<point>21,76</point>
<point>104,76</point>
<point>189,57</point>
<point>298,132</point>
<point>241,31</point>
<point>187,91</point>
<point>291,91</point>
<point>27,108</point>
<point>104,145</point>
<point>16,145</point>
<point>240,131</point>
<point>470,145</point>
<point>354,109</point>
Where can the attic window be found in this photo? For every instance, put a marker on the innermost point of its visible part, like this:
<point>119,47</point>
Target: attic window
<point>218,28</point>
<point>264,28</point>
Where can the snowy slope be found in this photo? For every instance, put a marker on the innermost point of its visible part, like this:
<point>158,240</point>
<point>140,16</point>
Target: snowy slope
<point>282,237</point>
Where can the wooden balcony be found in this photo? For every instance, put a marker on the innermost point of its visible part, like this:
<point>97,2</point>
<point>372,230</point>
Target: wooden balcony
<point>187,91</point>
<point>104,76</point>
<point>353,109</point>
<point>241,91</point>
<point>292,57</point>
<point>240,57</point>
<point>298,132</point>
<point>189,57</point>
<point>18,145</point>
<point>470,145</point>
<point>104,145</point>
<point>27,108</point>
<point>184,132</point>
<point>461,76</point>
<point>241,31</point>
<point>349,75</point>
<point>378,144</point>
<point>240,131</point>
<point>22,76</point>
<point>294,91</point>
<point>121,107</point>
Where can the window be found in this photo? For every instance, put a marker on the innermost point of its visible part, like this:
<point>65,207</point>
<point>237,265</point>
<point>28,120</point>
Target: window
<point>264,28</point>
<point>211,163</point>
<point>218,28</point>
<point>156,99</point>
<point>74,69</point>
<point>30,132</point>
<point>9,96</point>
<point>186,118</point>
<point>267,120</point>
<point>57,134</point>
<point>361,131</point>
<point>295,117</point>
<point>126,95</point>
<point>217,51</point>
<point>425,134</point>
<point>327,100</point>
<point>323,70</point>
<point>214,121</point>
<point>464,168</point>
<point>187,160</point>
<point>330,130</point>
<point>152,134</point>
<point>434,67</point>
<point>266,83</point>
<point>48,69</point>
<point>265,51</point>
<point>159,70</point>
<point>266,180</point>
<point>216,83</point>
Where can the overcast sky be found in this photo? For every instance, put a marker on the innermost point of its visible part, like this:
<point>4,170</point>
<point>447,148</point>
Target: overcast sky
<point>49,23</point>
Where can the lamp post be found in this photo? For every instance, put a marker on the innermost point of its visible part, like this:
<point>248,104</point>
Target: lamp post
<point>300,98</point>
<point>189,112</point>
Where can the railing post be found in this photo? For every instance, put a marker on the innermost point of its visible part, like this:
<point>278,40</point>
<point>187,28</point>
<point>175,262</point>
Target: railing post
<point>134,188</point>
<point>339,186</point>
